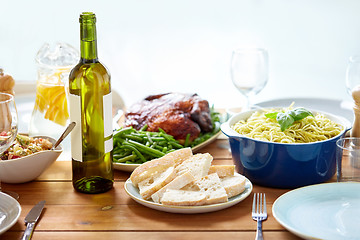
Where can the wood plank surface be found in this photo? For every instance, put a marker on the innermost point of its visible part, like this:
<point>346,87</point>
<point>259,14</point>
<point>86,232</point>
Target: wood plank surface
<point>114,215</point>
<point>153,235</point>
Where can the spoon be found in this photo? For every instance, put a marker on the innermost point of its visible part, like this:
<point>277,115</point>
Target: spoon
<point>69,128</point>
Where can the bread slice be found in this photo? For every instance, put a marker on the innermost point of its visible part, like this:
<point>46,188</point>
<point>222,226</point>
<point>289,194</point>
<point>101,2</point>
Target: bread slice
<point>176,183</point>
<point>222,170</point>
<point>212,187</point>
<point>180,155</point>
<point>152,184</point>
<point>234,185</point>
<point>198,165</point>
<point>183,198</point>
<point>156,166</point>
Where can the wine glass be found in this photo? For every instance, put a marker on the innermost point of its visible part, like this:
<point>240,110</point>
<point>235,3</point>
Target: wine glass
<point>249,71</point>
<point>8,127</point>
<point>353,74</point>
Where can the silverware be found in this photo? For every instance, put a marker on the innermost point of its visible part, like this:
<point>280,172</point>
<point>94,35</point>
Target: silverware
<point>259,213</point>
<point>69,128</point>
<point>31,219</point>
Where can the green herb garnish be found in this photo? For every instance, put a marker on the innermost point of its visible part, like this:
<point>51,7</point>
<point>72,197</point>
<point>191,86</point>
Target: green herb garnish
<point>286,119</point>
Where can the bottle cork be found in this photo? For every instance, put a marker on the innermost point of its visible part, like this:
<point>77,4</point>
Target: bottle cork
<point>355,131</point>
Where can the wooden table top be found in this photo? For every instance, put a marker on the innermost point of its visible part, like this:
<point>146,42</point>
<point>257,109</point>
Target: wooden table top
<point>114,215</point>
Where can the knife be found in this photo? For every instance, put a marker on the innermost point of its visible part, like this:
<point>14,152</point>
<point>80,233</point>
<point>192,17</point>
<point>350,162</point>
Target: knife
<point>31,218</point>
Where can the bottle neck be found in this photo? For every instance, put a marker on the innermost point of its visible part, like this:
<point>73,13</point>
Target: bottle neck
<point>88,44</point>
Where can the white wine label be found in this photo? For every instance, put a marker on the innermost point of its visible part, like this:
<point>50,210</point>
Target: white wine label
<point>75,116</point>
<point>107,115</point>
<point>109,145</point>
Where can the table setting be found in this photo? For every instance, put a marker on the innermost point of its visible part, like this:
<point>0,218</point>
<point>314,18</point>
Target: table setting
<point>77,163</point>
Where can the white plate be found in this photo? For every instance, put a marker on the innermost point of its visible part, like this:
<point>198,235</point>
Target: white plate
<point>133,192</point>
<point>9,212</point>
<point>322,211</point>
<point>337,107</point>
<point>131,167</point>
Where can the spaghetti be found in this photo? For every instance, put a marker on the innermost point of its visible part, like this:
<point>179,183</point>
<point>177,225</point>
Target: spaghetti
<point>310,129</point>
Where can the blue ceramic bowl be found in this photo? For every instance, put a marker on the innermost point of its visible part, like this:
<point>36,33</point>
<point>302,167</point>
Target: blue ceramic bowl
<point>283,165</point>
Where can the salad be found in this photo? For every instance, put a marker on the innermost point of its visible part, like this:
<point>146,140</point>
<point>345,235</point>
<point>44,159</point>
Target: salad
<point>24,146</point>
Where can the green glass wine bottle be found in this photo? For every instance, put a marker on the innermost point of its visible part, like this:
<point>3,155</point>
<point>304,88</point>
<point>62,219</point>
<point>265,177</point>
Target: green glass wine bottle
<point>91,108</point>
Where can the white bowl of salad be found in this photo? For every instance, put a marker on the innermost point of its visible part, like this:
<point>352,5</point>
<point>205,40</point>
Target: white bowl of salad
<point>27,158</point>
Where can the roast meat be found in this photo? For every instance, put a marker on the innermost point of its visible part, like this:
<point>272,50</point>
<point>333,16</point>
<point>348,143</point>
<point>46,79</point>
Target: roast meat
<point>177,114</point>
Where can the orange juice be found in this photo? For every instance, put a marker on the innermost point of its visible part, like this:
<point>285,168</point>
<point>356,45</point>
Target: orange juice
<point>50,114</point>
<point>51,100</point>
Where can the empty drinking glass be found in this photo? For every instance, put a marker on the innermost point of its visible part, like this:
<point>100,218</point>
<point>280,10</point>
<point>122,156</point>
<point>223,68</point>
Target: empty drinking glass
<point>249,71</point>
<point>348,159</point>
<point>8,126</point>
<point>353,73</point>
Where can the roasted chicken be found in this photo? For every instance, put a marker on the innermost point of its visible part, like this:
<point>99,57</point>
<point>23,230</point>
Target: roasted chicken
<point>176,113</point>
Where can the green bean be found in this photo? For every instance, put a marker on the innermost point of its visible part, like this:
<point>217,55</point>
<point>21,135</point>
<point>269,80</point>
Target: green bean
<point>147,150</point>
<point>158,139</point>
<point>117,156</point>
<point>127,158</point>
<point>187,140</point>
<point>133,137</point>
<point>149,138</point>
<point>176,145</point>
<point>137,152</point>
<point>160,148</point>
<point>123,131</point>
<point>144,127</point>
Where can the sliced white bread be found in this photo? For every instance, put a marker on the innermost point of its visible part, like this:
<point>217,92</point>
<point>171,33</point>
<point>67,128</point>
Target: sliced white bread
<point>180,155</point>
<point>176,184</point>
<point>152,184</point>
<point>234,185</point>
<point>198,165</point>
<point>183,198</point>
<point>191,187</point>
<point>212,187</point>
<point>155,166</point>
<point>222,170</point>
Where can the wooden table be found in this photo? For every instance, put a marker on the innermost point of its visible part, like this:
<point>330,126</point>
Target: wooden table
<point>114,215</point>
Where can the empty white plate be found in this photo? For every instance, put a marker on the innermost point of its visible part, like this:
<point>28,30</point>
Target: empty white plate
<point>322,211</point>
<point>9,212</point>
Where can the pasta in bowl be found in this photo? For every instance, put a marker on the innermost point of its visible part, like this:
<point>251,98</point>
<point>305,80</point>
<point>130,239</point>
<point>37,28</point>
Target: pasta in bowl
<point>311,128</point>
<point>302,154</point>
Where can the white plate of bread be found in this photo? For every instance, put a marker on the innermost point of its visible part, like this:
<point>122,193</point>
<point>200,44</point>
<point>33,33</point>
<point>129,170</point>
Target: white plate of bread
<point>127,167</point>
<point>183,182</point>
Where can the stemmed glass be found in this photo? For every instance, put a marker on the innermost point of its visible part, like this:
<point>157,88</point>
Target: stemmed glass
<point>353,74</point>
<point>249,71</point>
<point>8,127</point>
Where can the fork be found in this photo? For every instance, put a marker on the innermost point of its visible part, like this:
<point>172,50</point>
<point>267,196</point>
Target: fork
<point>259,213</point>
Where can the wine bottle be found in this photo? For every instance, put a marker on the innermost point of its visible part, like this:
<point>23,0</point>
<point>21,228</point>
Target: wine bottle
<point>91,109</point>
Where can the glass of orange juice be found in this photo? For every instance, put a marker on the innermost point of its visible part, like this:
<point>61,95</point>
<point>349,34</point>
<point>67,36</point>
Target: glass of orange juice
<point>50,114</point>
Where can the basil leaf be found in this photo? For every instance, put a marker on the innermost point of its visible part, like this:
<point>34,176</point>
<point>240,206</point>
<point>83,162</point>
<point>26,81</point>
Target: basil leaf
<point>285,120</point>
<point>271,115</point>
<point>300,113</point>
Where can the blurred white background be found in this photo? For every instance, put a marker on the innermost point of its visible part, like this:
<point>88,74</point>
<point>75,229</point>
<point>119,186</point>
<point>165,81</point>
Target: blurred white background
<point>153,46</point>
